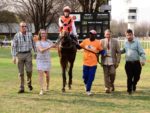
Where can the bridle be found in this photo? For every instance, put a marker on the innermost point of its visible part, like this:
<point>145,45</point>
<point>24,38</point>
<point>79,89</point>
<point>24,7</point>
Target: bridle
<point>63,39</point>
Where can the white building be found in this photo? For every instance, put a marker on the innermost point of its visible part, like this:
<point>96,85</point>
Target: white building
<point>120,10</point>
<point>132,17</point>
<point>131,14</point>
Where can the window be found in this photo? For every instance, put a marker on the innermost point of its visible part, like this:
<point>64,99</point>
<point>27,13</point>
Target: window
<point>102,16</point>
<point>132,10</point>
<point>105,27</point>
<point>84,22</point>
<point>84,29</point>
<point>105,22</point>
<point>88,16</point>
<point>131,17</point>
<point>91,27</point>
<point>98,28</point>
<point>78,28</point>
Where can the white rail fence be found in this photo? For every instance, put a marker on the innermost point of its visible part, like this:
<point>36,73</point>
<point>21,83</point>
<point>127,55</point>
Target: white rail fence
<point>145,44</point>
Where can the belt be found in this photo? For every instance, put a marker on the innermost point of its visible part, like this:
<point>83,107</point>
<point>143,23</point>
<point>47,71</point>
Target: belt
<point>136,61</point>
<point>25,52</point>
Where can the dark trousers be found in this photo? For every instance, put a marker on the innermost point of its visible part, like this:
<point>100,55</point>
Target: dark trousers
<point>133,71</point>
<point>88,76</point>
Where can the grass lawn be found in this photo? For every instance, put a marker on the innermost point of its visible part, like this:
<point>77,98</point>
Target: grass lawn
<point>75,100</point>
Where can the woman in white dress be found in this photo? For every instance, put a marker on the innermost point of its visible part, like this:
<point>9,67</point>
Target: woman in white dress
<point>43,59</point>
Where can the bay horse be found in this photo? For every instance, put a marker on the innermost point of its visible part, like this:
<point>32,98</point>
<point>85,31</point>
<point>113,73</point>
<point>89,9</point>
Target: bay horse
<point>67,53</point>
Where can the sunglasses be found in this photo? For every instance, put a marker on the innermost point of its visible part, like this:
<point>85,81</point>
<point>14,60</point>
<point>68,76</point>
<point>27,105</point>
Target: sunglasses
<point>23,26</point>
<point>43,33</point>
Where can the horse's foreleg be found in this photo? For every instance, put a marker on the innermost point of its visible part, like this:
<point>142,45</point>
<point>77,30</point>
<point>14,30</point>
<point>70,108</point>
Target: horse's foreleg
<point>64,78</point>
<point>70,75</point>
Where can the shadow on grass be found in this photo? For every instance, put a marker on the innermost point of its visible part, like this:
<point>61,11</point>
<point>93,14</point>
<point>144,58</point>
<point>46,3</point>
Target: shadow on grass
<point>97,100</point>
<point>80,97</point>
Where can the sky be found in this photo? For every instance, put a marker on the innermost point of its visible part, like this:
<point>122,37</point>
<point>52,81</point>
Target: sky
<point>119,10</point>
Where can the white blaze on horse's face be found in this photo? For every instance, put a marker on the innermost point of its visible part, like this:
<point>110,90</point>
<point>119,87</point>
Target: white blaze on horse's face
<point>64,34</point>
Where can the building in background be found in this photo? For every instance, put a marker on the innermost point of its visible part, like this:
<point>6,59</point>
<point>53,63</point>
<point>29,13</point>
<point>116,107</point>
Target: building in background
<point>131,15</point>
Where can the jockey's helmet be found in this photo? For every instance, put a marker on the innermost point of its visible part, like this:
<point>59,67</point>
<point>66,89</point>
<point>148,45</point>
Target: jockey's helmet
<point>66,9</point>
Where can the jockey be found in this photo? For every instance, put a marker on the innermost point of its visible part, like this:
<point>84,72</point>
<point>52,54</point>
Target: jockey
<point>66,23</point>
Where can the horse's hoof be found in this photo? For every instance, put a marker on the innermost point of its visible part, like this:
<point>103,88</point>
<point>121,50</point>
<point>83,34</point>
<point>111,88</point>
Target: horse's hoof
<point>63,90</point>
<point>69,87</point>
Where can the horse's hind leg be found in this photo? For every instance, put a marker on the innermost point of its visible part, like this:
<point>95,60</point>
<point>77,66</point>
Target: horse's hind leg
<point>70,75</point>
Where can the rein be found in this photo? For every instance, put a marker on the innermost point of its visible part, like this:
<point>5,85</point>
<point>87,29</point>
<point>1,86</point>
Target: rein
<point>60,40</point>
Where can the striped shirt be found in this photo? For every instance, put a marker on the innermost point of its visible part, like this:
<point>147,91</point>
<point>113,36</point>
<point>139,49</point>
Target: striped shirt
<point>22,43</point>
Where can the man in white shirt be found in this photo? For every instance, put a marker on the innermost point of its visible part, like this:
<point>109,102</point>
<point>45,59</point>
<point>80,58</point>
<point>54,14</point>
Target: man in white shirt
<point>110,61</point>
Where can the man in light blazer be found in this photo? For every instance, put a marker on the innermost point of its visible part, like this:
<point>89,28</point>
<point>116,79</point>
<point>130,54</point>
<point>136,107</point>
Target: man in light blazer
<point>110,61</point>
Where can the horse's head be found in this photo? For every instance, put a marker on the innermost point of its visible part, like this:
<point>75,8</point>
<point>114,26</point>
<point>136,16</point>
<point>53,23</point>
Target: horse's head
<point>64,34</point>
<point>66,39</point>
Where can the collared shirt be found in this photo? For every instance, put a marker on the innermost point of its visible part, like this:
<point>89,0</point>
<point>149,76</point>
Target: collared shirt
<point>134,51</point>
<point>22,43</point>
<point>108,60</point>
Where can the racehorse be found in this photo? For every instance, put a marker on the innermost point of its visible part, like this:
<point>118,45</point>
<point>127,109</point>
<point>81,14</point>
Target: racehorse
<point>67,53</point>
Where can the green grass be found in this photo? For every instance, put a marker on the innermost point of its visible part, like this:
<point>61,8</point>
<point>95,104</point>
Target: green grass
<point>75,100</point>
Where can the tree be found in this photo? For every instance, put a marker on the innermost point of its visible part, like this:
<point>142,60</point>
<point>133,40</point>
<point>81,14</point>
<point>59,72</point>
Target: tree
<point>39,12</point>
<point>91,5</point>
<point>118,28</point>
<point>3,4</point>
<point>7,17</point>
<point>74,5</point>
<point>142,29</point>
<point>6,21</point>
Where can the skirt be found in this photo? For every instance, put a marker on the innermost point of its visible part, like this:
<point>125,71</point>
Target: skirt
<point>43,65</point>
